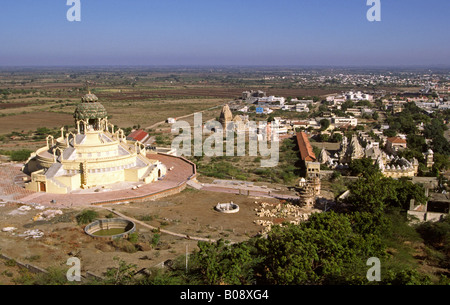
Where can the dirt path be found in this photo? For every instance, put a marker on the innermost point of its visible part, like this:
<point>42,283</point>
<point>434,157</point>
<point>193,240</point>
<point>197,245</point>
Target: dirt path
<point>182,117</point>
<point>155,228</point>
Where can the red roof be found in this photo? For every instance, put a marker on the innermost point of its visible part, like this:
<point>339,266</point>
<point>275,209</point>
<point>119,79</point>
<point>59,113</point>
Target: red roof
<point>306,151</point>
<point>138,135</point>
<point>397,140</point>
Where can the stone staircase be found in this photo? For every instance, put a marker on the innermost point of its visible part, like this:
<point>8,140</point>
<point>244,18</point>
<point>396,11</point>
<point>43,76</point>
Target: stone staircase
<point>56,170</point>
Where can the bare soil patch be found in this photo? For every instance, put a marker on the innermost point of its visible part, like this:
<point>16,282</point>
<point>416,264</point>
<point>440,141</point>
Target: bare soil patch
<point>31,121</point>
<point>190,212</point>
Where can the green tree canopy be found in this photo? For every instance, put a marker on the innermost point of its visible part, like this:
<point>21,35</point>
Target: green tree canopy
<point>364,167</point>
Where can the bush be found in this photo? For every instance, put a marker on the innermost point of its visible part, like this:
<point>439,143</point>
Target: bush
<point>124,245</point>
<point>133,237</point>
<point>436,234</point>
<point>146,218</point>
<point>86,216</point>
<point>10,263</point>
<point>20,155</point>
<point>155,239</point>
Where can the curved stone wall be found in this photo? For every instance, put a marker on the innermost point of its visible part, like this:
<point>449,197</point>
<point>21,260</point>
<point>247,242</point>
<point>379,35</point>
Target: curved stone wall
<point>110,223</point>
<point>227,208</point>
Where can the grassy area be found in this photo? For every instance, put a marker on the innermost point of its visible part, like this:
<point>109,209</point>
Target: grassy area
<point>17,155</point>
<point>249,167</point>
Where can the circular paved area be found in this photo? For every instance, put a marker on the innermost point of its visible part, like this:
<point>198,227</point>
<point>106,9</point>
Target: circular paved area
<point>181,173</point>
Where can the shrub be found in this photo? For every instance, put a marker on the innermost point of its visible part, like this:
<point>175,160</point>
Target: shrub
<point>146,218</point>
<point>20,155</point>
<point>124,245</point>
<point>155,239</point>
<point>10,263</point>
<point>133,237</point>
<point>86,216</point>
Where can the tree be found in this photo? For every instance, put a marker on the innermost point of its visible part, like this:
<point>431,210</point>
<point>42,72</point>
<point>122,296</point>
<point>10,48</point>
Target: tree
<point>416,142</point>
<point>221,262</point>
<point>324,124</point>
<point>323,108</point>
<point>440,145</point>
<point>323,250</point>
<point>123,274</point>
<point>374,193</point>
<point>336,137</point>
<point>347,104</point>
<point>364,167</point>
<point>323,137</point>
<point>390,132</point>
<point>368,194</point>
<point>441,162</point>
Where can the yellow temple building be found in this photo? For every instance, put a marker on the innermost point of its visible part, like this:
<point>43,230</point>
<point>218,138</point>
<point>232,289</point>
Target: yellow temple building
<point>95,155</point>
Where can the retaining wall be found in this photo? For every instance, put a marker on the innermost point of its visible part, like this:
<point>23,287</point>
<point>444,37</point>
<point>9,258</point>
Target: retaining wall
<point>37,270</point>
<point>111,223</point>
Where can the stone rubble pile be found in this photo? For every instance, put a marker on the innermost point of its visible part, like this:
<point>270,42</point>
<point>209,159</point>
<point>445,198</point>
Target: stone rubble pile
<point>291,213</point>
<point>47,215</point>
<point>32,234</point>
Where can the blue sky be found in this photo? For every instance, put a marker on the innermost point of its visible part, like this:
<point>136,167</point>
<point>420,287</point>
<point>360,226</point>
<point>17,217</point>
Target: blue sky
<point>225,32</point>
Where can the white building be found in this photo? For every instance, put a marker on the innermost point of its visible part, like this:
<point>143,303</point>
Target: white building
<point>301,108</point>
<point>307,102</point>
<point>272,100</point>
<point>358,96</point>
<point>335,100</point>
<point>344,121</point>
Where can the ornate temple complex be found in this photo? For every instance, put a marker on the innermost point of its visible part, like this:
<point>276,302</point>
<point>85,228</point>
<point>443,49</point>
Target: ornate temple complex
<point>95,155</point>
<point>396,167</point>
<point>389,164</point>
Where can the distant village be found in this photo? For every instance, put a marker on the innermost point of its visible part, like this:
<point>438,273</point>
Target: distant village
<point>332,131</point>
<point>330,119</point>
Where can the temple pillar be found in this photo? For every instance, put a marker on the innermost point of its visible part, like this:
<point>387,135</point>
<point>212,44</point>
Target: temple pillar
<point>84,175</point>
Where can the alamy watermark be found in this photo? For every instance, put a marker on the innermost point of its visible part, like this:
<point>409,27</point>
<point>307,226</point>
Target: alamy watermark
<point>374,13</point>
<point>233,135</point>
<point>74,12</point>
<point>374,272</point>
<point>74,272</point>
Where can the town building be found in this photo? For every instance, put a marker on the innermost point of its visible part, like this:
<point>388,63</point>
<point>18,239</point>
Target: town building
<point>247,95</point>
<point>138,135</point>
<point>394,144</point>
<point>339,121</point>
<point>358,96</point>
<point>312,167</point>
<point>271,101</point>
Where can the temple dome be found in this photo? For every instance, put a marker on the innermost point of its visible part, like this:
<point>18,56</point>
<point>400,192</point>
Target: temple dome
<point>90,108</point>
<point>89,98</point>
